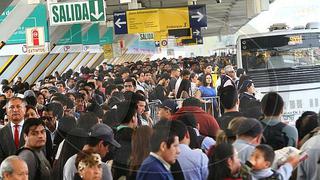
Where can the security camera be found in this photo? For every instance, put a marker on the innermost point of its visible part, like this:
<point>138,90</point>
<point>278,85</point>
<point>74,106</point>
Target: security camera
<point>219,1</point>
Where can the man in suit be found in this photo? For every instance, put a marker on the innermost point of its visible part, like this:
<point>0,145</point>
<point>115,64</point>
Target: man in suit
<point>11,136</point>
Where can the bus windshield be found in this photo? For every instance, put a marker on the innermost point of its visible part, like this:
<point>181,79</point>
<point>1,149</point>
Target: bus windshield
<point>281,51</point>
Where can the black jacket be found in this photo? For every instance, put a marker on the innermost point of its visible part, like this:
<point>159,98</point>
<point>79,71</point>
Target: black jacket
<point>250,106</point>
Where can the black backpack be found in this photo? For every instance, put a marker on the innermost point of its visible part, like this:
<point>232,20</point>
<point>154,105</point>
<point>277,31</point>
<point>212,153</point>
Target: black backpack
<point>273,136</point>
<point>38,162</point>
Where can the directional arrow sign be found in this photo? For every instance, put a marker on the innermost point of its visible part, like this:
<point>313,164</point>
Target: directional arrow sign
<point>77,12</point>
<point>199,40</point>
<point>196,32</point>
<point>197,16</point>
<point>97,10</point>
<point>120,22</point>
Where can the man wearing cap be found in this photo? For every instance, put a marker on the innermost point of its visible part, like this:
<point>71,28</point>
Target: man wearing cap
<point>167,108</point>
<point>249,134</point>
<point>100,140</point>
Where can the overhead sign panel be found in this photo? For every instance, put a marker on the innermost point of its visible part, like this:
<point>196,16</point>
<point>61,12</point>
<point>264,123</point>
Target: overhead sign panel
<point>120,22</point>
<point>162,19</point>
<point>141,21</point>
<point>77,12</point>
<point>198,16</point>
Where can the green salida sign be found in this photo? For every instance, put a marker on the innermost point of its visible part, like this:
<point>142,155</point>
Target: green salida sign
<point>77,12</point>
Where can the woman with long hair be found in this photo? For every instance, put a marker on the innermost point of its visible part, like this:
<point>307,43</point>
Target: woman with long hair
<point>140,148</point>
<point>224,163</point>
<point>208,92</point>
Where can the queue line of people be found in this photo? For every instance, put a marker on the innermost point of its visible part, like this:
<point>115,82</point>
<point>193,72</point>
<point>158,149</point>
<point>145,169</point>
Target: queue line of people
<point>97,125</point>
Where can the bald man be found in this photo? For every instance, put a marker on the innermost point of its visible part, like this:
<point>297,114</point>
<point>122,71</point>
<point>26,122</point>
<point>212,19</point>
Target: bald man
<point>14,168</point>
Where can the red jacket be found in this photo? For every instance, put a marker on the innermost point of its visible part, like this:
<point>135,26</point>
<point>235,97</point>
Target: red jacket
<point>208,124</point>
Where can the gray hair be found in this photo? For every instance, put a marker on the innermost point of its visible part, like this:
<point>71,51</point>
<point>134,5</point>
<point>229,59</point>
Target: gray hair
<point>228,68</point>
<point>6,165</point>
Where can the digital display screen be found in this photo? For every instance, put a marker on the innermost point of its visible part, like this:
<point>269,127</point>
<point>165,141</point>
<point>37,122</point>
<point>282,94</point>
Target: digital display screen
<point>281,41</point>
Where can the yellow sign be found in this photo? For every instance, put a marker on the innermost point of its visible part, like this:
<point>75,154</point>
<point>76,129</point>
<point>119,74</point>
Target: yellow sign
<point>107,51</point>
<point>174,18</point>
<point>141,21</point>
<point>155,20</point>
<point>161,35</point>
<point>294,40</point>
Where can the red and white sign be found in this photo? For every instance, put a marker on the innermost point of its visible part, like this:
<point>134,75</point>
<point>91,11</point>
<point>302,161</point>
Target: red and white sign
<point>35,36</point>
<point>35,40</point>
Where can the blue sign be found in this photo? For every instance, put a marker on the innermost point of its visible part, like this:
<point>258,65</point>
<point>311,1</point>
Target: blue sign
<point>196,32</point>
<point>198,16</point>
<point>120,22</point>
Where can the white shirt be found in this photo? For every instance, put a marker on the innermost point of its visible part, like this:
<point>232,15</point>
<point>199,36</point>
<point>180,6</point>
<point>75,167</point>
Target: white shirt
<point>176,88</point>
<point>19,128</point>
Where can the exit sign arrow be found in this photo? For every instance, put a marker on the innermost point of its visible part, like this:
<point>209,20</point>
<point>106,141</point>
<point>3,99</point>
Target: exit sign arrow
<point>96,13</point>
<point>97,10</point>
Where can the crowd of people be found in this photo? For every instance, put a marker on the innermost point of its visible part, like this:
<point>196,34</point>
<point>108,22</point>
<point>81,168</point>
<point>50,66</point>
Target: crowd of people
<point>96,124</point>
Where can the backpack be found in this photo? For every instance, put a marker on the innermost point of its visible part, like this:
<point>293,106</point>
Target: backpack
<point>273,136</point>
<point>38,162</point>
<point>40,166</point>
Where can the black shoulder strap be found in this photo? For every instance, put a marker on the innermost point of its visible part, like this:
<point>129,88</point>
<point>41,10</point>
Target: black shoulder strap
<point>38,162</point>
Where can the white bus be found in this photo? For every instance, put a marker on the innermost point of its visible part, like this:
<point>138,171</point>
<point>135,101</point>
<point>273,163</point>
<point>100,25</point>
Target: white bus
<point>287,62</point>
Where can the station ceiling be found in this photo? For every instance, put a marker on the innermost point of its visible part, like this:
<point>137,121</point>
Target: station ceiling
<point>225,17</point>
